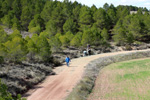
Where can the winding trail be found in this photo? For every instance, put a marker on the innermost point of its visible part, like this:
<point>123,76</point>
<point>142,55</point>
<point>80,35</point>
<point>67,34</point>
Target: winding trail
<point>58,87</point>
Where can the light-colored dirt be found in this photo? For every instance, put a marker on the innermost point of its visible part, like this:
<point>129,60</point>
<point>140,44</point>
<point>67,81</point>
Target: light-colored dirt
<point>57,87</point>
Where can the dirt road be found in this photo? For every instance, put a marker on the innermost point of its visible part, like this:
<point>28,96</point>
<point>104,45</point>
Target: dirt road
<point>58,86</point>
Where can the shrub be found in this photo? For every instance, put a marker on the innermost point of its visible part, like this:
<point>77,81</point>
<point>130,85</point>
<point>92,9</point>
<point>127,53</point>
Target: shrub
<point>5,95</point>
<point>128,47</point>
<point>1,59</point>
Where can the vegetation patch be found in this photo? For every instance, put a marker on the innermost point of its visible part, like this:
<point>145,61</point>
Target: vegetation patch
<point>93,68</point>
<point>20,78</point>
<point>126,65</point>
<point>131,83</point>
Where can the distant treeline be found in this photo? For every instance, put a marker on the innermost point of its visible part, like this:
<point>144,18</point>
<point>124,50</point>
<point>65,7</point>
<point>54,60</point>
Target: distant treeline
<point>55,24</point>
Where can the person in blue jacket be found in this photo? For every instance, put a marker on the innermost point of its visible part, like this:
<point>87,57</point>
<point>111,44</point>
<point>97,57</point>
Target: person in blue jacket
<point>67,61</point>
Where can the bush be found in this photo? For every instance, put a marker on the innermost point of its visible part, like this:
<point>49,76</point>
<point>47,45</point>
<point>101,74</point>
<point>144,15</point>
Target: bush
<point>5,95</point>
<point>1,59</point>
<point>128,47</point>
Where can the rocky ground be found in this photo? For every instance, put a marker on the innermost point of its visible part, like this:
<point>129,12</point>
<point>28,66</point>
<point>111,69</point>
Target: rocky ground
<point>73,52</point>
<point>23,33</point>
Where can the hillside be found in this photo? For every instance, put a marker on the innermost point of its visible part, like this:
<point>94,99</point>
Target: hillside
<point>36,36</point>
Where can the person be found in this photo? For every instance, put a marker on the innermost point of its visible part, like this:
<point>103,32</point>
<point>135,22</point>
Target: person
<point>88,46</point>
<point>67,61</point>
<point>89,51</point>
<point>84,53</point>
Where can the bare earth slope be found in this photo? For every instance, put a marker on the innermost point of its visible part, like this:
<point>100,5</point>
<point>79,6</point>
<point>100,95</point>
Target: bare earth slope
<point>57,87</point>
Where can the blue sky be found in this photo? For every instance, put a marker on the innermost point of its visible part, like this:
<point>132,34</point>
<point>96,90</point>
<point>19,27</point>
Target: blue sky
<point>100,3</point>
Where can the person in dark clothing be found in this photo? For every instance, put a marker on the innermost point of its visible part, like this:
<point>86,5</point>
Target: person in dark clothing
<point>89,52</point>
<point>88,49</point>
<point>67,61</point>
<point>88,46</point>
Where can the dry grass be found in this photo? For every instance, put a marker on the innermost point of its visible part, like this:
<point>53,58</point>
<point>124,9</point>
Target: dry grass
<point>123,81</point>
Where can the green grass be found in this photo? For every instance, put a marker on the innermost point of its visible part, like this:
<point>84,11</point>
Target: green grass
<point>129,80</point>
<point>132,64</point>
<point>135,76</point>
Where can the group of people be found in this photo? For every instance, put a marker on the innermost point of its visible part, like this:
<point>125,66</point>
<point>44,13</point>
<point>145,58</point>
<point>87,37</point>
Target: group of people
<point>85,53</point>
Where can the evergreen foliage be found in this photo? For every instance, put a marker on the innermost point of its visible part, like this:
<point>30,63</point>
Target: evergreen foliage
<point>55,44</point>
<point>5,95</point>
<point>76,41</point>
<point>3,35</point>
<point>55,24</point>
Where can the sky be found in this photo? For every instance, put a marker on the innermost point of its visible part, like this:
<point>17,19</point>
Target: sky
<point>100,3</point>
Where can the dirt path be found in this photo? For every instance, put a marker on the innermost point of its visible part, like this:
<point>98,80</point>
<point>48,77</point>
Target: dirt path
<point>58,86</point>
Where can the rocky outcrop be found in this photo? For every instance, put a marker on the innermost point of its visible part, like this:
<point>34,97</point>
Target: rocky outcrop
<point>23,33</point>
<point>73,52</point>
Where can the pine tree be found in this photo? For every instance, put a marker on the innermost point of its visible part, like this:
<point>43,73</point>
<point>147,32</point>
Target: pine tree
<point>69,25</point>
<point>101,19</point>
<point>106,7</point>
<point>44,48</point>
<point>119,32</point>
<point>16,33</point>
<point>25,17</point>
<point>5,95</point>
<point>147,23</point>
<point>6,20</point>
<point>55,44</point>
<point>69,35</point>
<point>120,37</point>
<point>32,49</point>
<point>39,5</point>
<point>16,6</point>
<point>5,7</point>
<point>3,35</point>
<point>51,27</point>
<point>135,28</point>
<point>16,49</point>
<point>1,13</point>
<point>122,12</point>
<point>96,35</point>
<point>93,10</point>
<point>36,25</point>
<point>112,14</point>
<point>67,9</point>
<point>64,40</point>
<point>3,50</point>
<point>76,13</point>
<point>16,24</point>
<point>47,11</point>
<point>35,38</point>
<point>58,18</point>
<point>85,18</point>
<point>76,41</point>
<point>87,37</point>
<point>105,34</point>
